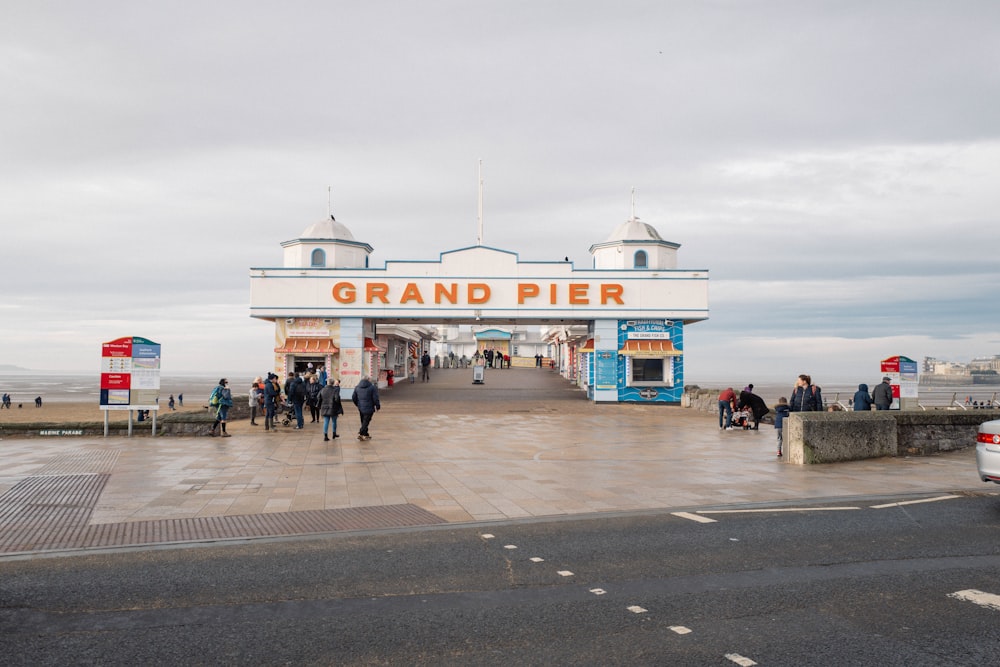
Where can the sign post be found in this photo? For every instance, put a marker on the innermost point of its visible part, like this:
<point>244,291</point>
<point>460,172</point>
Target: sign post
<point>903,376</point>
<point>130,377</point>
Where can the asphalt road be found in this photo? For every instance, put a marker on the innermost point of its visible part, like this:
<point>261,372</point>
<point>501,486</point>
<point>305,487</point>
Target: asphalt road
<point>805,585</point>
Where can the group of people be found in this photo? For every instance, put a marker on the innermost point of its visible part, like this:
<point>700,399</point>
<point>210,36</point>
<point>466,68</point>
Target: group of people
<point>308,389</point>
<point>492,358</point>
<point>880,397</point>
<point>748,408</point>
<point>741,410</point>
<point>5,402</point>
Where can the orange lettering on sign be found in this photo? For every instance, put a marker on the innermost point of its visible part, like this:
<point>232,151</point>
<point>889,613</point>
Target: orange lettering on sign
<point>440,291</point>
<point>344,293</point>
<point>525,290</point>
<point>578,293</point>
<point>553,293</point>
<point>611,291</point>
<point>478,293</point>
<point>378,291</point>
<point>411,293</point>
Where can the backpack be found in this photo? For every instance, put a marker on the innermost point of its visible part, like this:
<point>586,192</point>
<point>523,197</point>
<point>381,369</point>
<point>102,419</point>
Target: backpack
<point>213,400</point>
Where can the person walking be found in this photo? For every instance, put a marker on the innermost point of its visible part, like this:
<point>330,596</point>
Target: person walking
<point>170,402</point>
<point>862,400</point>
<point>727,399</point>
<point>297,395</point>
<point>272,394</point>
<point>366,399</point>
<point>806,396</point>
<point>256,399</point>
<point>222,400</point>
<point>313,388</point>
<point>330,407</point>
<point>780,412</point>
<point>882,394</point>
<point>425,368</point>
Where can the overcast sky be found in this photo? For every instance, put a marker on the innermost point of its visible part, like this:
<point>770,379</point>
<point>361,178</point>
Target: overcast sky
<point>834,165</point>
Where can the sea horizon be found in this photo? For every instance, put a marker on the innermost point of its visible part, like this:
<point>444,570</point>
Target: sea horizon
<point>56,386</point>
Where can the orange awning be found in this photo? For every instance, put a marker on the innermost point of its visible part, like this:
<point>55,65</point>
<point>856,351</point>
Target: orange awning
<point>587,347</point>
<point>307,346</point>
<point>370,346</point>
<point>649,348</point>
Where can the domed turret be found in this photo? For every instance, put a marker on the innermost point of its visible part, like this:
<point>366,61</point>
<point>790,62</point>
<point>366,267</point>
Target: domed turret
<point>326,244</point>
<point>635,245</point>
<point>328,229</point>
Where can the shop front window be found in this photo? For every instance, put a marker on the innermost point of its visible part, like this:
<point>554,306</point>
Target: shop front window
<point>656,371</point>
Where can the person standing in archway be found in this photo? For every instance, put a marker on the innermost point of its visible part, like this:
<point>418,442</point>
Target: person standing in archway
<point>425,367</point>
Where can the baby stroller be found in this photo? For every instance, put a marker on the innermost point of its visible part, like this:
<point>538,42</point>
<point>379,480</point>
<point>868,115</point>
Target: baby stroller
<point>287,412</point>
<point>743,419</point>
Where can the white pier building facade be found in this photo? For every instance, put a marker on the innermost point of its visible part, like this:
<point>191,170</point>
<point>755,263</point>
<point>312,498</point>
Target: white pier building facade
<point>616,329</point>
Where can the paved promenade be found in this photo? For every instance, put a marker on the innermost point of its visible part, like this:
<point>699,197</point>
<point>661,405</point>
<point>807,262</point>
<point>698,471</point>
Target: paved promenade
<point>524,444</point>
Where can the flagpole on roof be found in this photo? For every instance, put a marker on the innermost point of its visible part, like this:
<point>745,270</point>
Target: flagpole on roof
<point>479,238</point>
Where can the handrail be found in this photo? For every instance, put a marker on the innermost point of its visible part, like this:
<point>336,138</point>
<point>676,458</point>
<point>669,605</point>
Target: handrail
<point>956,402</point>
<point>836,399</point>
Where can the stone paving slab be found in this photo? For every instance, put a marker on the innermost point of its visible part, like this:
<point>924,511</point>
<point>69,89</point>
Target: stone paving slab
<point>524,444</point>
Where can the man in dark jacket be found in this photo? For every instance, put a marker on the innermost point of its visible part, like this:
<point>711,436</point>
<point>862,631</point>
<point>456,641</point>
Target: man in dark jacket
<point>366,398</point>
<point>297,395</point>
<point>882,395</point>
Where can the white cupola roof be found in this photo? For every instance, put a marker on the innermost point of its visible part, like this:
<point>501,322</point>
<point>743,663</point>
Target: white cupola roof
<point>327,228</point>
<point>326,244</point>
<point>635,245</point>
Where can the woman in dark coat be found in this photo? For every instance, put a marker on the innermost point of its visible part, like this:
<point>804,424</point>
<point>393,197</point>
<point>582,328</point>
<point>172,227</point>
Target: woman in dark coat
<point>330,407</point>
<point>806,396</point>
<point>757,406</point>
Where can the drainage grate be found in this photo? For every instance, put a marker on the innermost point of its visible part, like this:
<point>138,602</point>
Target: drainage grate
<point>163,531</point>
<point>47,509</point>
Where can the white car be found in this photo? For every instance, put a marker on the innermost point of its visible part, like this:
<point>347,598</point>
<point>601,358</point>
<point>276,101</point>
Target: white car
<point>988,451</point>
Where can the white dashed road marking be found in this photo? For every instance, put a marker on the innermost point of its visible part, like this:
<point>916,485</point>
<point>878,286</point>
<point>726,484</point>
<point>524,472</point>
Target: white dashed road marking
<point>988,600</point>
<point>780,509</point>
<point>598,591</point>
<point>680,629</point>
<point>636,609</point>
<point>740,660</point>
<point>693,517</point>
<point>564,573</point>
<point>913,502</point>
<point>510,546</point>
<point>536,559</point>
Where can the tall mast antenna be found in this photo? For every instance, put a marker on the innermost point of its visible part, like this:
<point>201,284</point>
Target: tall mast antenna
<point>633,204</point>
<point>329,201</point>
<point>479,238</point>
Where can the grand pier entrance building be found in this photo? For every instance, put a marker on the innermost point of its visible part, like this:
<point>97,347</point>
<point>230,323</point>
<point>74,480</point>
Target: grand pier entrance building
<point>616,329</point>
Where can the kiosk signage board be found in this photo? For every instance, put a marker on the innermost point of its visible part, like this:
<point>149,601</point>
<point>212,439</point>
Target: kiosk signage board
<point>130,374</point>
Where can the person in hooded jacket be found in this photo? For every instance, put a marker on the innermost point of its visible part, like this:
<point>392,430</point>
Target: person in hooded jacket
<point>862,399</point>
<point>366,398</point>
<point>330,407</point>
<point>780,412</point>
